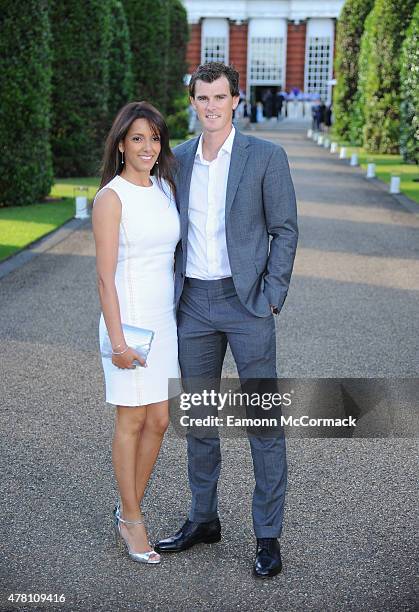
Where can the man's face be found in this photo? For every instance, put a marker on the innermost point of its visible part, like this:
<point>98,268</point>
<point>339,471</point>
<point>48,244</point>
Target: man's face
<point>214,104</point>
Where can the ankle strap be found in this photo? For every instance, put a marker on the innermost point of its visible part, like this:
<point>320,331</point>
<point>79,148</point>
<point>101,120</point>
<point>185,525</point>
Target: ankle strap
<point>121,520</point>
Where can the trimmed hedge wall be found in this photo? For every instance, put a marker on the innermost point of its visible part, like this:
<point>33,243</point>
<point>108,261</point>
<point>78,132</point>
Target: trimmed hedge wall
<point>80,95</point>
<point>409,108</point>
<point>149,26</point>
<point>349,30</point>
<point>382,88</point>
<point>121,77</point>
<point>358,107</point>
<point>177,68</point>
<point>25,82</point>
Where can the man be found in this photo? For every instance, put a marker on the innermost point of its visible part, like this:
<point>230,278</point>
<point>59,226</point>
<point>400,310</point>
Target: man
<point>233,268</point>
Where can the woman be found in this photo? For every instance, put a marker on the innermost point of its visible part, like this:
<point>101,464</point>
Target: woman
<point>136,229</point>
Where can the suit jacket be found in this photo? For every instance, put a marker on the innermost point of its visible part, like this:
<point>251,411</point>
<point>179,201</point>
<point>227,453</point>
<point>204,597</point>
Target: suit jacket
<point>260,221</point>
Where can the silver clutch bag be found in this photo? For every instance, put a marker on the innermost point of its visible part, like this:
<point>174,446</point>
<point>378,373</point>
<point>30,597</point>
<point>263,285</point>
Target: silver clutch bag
<point>138,338</point>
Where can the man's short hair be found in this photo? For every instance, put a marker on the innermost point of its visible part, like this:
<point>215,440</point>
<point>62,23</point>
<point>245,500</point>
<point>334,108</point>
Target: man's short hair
<point>211,71</point>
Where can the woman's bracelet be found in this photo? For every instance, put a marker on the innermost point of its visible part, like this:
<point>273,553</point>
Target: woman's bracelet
<point>119,352</point>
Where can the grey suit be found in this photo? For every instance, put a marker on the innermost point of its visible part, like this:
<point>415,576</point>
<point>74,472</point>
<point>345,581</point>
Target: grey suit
<point>260,203</point>
<point>261,235</point>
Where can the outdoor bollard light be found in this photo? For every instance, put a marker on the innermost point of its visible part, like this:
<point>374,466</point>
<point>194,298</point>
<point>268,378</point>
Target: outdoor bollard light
<point>320,140</point>
<point>309,133</point>
<point>395,184</point>
<point>342,153</point>
<point>334,147</point>
<point>80,194</point>
<point>354,159</point>
<point>371,170</point>
<point>326,143</point>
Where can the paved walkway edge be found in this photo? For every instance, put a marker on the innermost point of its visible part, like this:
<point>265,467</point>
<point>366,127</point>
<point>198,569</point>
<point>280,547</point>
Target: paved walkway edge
<point>407,203</point>
<point>40,246</point>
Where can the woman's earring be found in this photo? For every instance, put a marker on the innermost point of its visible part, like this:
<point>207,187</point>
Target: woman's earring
<point>157,162</point>
<point>122,153</point>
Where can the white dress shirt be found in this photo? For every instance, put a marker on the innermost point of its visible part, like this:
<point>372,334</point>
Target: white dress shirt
<point>207,248</point>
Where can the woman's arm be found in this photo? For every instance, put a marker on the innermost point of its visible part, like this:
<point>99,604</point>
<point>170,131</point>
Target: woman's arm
<point>106,218</point>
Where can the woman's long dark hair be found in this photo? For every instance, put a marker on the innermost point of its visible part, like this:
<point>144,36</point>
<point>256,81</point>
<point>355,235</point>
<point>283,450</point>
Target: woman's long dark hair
<point>112,157</point>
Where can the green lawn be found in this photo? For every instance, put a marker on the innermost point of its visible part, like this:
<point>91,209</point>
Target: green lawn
<point>385,166</point>
<point>65,188</point>
<point>21,225</point>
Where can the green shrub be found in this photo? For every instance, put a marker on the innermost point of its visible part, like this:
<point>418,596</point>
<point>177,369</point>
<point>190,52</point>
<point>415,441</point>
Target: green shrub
<point>80,95</point>
<point>358,106</point>
<point>178,125</point>
<point>25,84</point>
<point>409,108</point>
<point>148,22</point>
<point>178,120</point>
<point>177,68</point>
<point>349,30</point>
<point>382,88</point>
<point>121,78</point>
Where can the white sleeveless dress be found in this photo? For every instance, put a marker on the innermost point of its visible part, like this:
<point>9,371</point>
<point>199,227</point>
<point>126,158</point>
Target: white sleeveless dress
<point>144,279</point>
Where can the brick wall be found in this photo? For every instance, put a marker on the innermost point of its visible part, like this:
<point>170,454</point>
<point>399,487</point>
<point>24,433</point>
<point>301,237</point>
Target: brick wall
<point>296,50</point>
<point>238,51</point>
<point>193,53</point>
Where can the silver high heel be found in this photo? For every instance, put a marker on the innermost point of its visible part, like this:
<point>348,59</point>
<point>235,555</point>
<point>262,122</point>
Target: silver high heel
<point>145,557</point>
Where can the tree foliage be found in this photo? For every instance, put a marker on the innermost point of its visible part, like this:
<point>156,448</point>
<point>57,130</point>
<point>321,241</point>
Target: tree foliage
<point>149,25</point>
<point>25,84</point>
<point>177,68</point>
<point>409,108</point>
<point>349,30</point>
<point>358,113</point>
<point>382,88</point>
<point>80,94</point>
<point>121,78</point>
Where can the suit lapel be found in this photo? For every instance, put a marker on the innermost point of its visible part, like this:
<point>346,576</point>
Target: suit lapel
<point>184,185</point>
<point>239,155</point>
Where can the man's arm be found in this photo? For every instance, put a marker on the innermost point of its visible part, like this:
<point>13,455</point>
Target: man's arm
<point>281,222</point>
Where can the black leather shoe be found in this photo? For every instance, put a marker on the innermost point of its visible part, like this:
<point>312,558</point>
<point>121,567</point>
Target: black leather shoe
<point>189,534</point>
<point>268,558</point>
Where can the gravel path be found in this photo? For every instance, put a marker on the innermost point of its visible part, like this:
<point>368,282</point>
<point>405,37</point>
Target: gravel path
<point>349,540</point>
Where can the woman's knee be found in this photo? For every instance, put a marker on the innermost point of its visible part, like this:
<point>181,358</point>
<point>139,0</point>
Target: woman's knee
<point>158,423</point>
<point>130,420</point>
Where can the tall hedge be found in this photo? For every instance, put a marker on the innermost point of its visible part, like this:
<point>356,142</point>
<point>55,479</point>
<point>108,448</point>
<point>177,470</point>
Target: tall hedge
<point>25,84</point>
<point>81,38</point>
<point>148,22</point>
<point>358,107</point>
<point>178,42</point>
<point>121,78</point>
<point>382,89</point>
<point>349,30</point>
<point>409,108</point>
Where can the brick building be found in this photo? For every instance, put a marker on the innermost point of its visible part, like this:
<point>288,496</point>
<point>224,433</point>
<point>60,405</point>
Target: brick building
<point>274,44</point>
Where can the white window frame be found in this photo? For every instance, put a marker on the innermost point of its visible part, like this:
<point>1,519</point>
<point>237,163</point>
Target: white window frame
<point>320,28</point>
<point>267,28</point>
<point>215,29</point>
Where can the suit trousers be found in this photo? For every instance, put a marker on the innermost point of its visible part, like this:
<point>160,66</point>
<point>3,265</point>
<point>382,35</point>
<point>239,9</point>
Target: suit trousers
<point>210,315</point>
